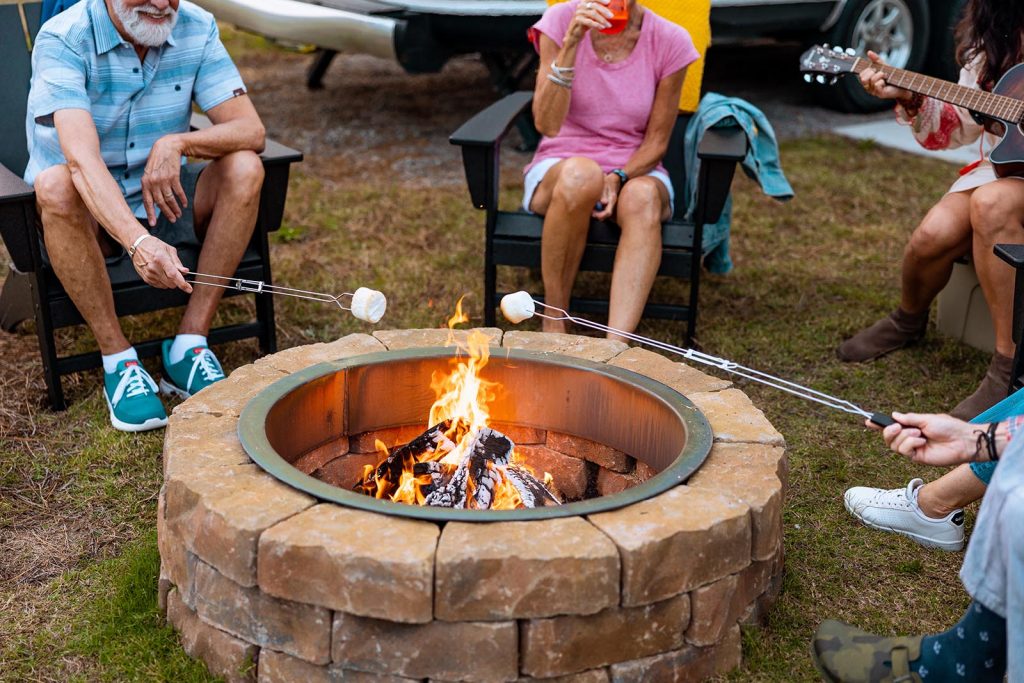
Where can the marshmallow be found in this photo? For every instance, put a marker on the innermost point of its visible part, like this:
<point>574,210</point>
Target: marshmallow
<point>517,307</point>
<point>369,305</point>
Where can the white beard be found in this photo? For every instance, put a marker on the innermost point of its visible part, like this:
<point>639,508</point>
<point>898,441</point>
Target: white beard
<point>142,31</point>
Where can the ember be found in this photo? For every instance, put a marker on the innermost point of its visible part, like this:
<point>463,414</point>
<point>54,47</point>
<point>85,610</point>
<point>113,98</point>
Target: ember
<point>459,462</point>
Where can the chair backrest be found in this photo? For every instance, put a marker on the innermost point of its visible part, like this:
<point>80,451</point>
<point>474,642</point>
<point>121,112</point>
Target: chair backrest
<point>19,22</point>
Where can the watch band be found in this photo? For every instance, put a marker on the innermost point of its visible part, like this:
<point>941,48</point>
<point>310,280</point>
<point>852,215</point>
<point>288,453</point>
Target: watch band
<point>623,176</point>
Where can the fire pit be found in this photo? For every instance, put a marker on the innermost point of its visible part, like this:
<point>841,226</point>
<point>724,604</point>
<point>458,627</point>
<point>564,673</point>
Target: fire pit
<point>636,575</point>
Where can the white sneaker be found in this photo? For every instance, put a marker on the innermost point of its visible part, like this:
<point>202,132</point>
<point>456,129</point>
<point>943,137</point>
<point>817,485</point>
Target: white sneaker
<point>897,510</point>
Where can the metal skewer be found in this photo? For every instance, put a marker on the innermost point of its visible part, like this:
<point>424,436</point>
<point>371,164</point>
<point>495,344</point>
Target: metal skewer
<point>372,302</point>
<point>798,390</point>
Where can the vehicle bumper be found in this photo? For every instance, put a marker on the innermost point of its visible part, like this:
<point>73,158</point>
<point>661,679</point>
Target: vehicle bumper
<point>302,22</point>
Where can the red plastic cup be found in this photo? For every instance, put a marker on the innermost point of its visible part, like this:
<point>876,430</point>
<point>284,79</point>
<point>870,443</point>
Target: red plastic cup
<point>619,18</point>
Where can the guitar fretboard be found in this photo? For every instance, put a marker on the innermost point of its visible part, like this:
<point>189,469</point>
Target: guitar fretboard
<point>990,104</point>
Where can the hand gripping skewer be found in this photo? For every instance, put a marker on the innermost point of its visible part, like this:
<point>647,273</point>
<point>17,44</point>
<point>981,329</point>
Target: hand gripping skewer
<point>365,304</point>
<point>520,306</point>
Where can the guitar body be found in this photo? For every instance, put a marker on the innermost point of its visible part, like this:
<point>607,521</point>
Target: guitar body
<point>1008,156</point>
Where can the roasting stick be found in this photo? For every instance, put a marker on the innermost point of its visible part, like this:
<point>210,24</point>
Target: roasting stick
<point>520,306</point>
<point>365,304</point>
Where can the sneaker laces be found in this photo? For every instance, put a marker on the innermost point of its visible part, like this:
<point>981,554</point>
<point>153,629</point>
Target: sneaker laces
<point>902,498</point>
<point>135,381</point>
<point>206,363</point>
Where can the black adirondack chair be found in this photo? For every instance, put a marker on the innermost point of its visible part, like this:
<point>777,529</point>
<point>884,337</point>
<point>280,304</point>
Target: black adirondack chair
<point>32,290</point>
<point>513,238</point>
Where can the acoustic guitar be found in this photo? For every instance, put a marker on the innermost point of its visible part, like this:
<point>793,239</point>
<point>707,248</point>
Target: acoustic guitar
<point>1004,104</point>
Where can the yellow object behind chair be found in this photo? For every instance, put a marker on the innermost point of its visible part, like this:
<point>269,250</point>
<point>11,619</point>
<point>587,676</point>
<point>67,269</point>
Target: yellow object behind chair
<point>695,17</point>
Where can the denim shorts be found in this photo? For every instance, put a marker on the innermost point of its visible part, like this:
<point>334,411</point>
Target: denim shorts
<point>181,233</point>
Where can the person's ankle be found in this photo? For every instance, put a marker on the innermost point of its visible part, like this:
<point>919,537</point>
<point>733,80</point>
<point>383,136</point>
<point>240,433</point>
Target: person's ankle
<point>932,506</point>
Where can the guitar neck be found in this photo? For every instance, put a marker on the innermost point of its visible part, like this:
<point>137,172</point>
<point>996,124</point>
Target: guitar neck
<point>989,104</point>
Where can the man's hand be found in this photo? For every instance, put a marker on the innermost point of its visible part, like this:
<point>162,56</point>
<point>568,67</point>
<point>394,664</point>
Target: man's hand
<point>937,440</point>
<point>157,263</point>
<point>161,183</point>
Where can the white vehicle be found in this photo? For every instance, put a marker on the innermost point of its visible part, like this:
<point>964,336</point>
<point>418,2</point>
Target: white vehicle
<point>422,35</point>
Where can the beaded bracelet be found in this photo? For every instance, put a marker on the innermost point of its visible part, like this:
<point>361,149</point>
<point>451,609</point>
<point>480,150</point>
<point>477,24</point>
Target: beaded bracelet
<point>562,71</point>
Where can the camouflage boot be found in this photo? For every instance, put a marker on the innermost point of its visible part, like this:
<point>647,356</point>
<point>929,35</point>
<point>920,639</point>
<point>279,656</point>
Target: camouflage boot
<point>844,654</point>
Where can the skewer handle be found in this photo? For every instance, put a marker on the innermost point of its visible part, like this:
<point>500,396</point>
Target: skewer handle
<point>882,420</point>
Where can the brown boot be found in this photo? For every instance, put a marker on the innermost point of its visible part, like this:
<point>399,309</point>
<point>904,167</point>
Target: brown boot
<point>895,331</point>
<point>993,389</point>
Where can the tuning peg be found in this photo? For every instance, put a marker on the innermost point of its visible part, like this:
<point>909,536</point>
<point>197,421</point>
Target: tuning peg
<point>850,51</point>
<point>808,78</point>
<point>826,46</point>
<point>821,79</point>
<point>837,49</point>
<point>833,80</point>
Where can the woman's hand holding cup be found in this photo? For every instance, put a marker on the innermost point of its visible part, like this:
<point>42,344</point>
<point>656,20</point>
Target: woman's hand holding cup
<point>590,14</point>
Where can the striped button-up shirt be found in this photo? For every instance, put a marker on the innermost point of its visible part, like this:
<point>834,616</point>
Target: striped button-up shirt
<point>80,61</point>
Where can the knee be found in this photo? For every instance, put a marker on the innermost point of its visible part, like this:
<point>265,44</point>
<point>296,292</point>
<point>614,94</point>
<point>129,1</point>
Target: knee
<point>933,237</point>
<point>989,210</point>
<point>580,181</point>
<point>640,203</point>
<point>56,192</point>
<point>243,173</point>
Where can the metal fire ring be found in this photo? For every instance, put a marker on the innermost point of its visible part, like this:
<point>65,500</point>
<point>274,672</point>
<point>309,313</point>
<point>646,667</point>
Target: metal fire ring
<point>587,388</point>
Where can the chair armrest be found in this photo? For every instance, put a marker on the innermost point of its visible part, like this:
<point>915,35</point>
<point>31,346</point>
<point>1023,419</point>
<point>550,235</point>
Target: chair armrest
<point>273,153</point>
<point>17,218</point>
<point>490,125</point>
<point>727,143</point>
<point>719,150</point>
<point>480,139</point>
<point>1013,254</point>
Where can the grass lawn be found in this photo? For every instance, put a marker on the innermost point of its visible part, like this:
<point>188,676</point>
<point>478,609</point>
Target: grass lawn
<point>78,557</point>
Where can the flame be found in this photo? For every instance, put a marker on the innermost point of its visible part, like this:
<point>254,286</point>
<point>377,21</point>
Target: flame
<point>463,397</point>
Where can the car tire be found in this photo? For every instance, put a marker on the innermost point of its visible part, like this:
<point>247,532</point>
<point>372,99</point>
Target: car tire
<point>896,29</point>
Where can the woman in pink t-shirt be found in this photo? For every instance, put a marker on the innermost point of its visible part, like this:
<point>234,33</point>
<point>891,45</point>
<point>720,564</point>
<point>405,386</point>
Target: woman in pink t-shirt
<point>606,105</point>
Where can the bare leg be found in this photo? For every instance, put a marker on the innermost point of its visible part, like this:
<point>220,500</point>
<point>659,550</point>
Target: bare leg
<point>77,246</point>
<point>942,237</point>
<point>643,202</point>
<point>997,211</point>
<point>566,196</point>
<point>954,490</point>
<point>225,207</point>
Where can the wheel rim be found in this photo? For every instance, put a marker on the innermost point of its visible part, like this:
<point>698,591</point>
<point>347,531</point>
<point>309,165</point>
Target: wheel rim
<point>886,27</point>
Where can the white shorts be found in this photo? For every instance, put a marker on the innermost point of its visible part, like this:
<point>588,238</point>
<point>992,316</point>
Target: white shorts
<point>537,173</point>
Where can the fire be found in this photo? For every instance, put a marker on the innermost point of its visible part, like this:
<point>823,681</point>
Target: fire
<point>460,415</point>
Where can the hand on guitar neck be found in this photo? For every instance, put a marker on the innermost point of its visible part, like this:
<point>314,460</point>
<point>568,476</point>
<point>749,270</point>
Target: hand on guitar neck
<point>875,84</point>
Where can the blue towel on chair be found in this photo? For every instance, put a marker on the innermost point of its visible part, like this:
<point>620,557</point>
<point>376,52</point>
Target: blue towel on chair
<point>51,8</point>
<point>761,164</point>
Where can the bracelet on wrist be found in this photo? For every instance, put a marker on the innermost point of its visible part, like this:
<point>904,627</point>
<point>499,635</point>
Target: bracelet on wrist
<point>993,453</point>
<point>566,72</point>
<point>565,83</point>
<point>623,176</point>
<point>135,245</point>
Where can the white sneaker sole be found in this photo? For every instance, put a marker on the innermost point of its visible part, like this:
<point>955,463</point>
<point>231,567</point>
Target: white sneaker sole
<point>170,389</point>
<point>927,542</point>
<point>150,424</point>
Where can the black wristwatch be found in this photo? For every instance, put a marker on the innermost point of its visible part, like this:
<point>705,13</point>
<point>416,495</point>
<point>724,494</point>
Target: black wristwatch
<point>623,177</point>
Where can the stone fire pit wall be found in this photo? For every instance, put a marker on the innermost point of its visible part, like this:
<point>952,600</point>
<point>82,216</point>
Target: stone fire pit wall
<point>266,583</point>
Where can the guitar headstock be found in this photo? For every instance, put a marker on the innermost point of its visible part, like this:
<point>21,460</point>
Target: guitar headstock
<point>826,64</point>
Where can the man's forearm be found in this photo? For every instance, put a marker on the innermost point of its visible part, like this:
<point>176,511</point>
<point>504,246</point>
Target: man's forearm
<point>222,139</point>
<point>103,198</point>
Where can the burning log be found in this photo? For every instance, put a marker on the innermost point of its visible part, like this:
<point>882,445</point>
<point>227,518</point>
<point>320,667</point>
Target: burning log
<point>532,490</point>
<point>389,472</point>
<point>472,483</point>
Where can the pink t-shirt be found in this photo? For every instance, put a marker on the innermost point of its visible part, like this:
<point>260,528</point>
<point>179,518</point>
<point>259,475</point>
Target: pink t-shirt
<point>611,103</point>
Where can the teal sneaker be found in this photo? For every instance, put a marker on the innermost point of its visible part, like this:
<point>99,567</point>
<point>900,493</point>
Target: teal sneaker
<point>132,399</point>
<point>196,371</point>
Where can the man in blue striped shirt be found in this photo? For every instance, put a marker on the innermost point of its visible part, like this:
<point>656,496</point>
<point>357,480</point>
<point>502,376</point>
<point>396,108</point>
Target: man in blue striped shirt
<point>113,82</point>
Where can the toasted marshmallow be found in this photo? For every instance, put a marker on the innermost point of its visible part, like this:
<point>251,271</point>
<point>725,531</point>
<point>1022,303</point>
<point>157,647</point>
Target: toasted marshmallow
<point>517,307</point>
<point>369,305</point>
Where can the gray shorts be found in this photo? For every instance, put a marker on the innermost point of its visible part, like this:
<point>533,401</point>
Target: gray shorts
<point>181,233</point>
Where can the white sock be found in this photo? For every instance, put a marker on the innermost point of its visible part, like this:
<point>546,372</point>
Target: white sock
<point>110,362</point>
<point>182,343</point>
